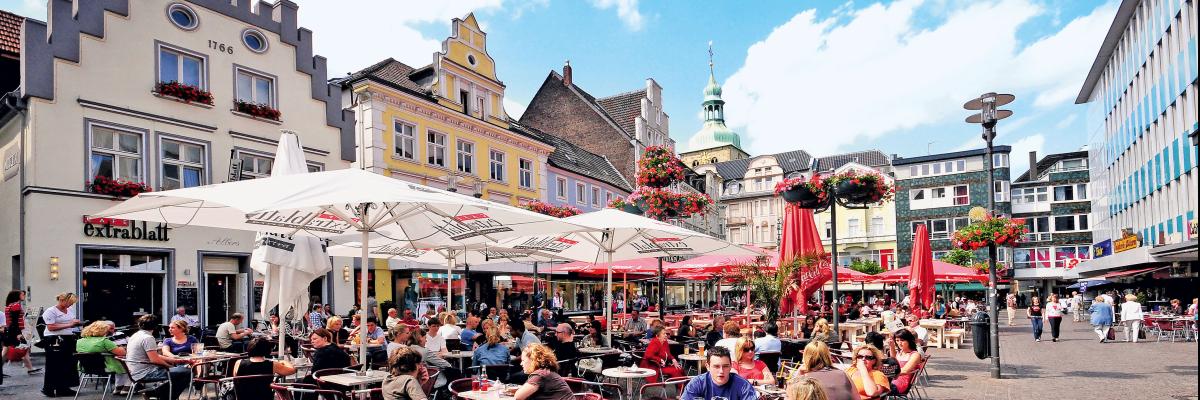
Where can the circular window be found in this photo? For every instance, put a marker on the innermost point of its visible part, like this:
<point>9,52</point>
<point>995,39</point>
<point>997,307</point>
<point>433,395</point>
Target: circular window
<point>254,40</point>
<point>182,16</point>
<point>471,59</point>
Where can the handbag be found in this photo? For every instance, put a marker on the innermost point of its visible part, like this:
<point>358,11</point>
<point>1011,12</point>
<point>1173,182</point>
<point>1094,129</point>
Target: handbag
<point>16,353</point>
<point>1112,333</point>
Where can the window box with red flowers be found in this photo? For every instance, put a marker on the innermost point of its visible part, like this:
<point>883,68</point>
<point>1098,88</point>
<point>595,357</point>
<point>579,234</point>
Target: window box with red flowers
<point>1001,231</point>
<point>658,168</point>
<point>256,110</point>
<point>551,210</point>
<point>183,93</point>
<point>116,187</point>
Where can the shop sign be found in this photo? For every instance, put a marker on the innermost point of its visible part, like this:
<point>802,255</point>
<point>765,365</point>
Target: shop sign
<point>1127,242</point>
<point>112,228</point>
<point>185,284</point>
<point>1102,249</point>
<point>12,162</point>
<point>660,245</point>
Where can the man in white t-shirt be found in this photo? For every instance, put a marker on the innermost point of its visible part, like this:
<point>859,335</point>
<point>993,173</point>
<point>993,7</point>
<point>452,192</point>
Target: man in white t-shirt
<point>146,364</point>
<point>434,342</point>
<point>229,337</point>
<point>914,325</point>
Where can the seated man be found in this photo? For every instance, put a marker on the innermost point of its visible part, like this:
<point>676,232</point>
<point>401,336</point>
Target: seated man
<point>229,337</point>
<point>769,342</point>
<point>635,328</point>
<point>146,364</point>
<point>565,349</point>
<point>719,380</point>
<point>393,318</point>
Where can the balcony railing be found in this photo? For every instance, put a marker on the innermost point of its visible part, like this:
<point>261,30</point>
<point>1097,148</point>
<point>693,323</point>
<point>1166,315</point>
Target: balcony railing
<point>1036,237</point>
<point>731,221</point>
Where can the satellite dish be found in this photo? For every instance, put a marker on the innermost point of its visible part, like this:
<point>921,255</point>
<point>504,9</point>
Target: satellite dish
<point>1000,99</point>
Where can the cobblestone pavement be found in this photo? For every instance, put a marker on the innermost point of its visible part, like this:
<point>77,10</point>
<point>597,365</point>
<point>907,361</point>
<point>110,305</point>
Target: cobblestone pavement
<point>1076,367</point>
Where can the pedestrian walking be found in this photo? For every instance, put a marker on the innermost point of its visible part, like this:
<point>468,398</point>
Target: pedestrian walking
<point>1102,317</point>
<point>1054,314</point>
<point>1011,302</point>
<point>1131,317</point>
<point>1077,306</point>
<point>1034,312</point>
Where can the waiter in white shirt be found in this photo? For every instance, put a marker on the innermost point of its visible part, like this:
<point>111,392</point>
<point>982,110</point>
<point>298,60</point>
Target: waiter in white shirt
<point>59,339</point>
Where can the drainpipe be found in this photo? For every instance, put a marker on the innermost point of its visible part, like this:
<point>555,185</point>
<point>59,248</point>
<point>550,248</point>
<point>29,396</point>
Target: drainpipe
<point>12,100</point>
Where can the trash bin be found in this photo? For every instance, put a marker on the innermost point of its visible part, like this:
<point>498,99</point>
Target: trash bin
<point>981,335</point>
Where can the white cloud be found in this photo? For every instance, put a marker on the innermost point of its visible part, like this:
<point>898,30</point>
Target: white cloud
<point>825,84</point>
<point>627,11</point>
<point>1066,122</point>
<point>514,108</point>
<point>352,39</point>
<point>1019,158</point>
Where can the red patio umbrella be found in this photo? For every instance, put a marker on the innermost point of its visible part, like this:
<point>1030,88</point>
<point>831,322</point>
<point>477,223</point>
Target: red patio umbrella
<point>943,272</point>
<point>800,238</point>
<point>921,284</point>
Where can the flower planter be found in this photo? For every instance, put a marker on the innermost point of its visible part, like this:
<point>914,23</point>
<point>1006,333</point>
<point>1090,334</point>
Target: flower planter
<point>801,196</point>
<point>856,192</point>
<point>632,209</point>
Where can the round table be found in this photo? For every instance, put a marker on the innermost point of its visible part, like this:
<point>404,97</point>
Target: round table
<point>695,357</point>
<point>628,374</point>
<point>597,350</point>
<point>772,392</point>
<point>460,355</point>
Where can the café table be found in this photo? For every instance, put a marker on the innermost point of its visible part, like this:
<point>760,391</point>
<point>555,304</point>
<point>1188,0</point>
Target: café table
<point>353,379</point>
<point>849,330</point>
<point>491,394</point>
<point>936,328</point>
<point>460,355</point>
<point>770,391</point>
<point>598,350</point>
<point>629,374</point>
<point>693,357</point>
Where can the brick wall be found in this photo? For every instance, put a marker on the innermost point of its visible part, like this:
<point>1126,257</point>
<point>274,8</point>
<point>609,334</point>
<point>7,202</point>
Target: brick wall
<point>556,110</point>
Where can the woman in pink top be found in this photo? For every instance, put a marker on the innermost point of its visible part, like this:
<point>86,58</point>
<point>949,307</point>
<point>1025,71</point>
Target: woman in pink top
<point>1054,314</point>
<point>745,365</point>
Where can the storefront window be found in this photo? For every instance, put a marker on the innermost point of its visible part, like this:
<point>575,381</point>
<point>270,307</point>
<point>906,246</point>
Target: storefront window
<point>123,285</point>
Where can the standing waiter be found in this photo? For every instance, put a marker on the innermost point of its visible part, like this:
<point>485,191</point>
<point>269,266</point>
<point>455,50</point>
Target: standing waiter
<point>58,340</point>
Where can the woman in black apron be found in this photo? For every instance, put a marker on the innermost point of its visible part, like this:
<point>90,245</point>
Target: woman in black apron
<point>58,340</point>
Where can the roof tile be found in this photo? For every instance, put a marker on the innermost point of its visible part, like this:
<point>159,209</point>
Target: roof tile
<point>624,108</point>
<point>10,32</point>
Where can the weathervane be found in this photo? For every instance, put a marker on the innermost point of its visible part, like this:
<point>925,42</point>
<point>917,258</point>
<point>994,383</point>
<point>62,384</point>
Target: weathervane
<point>710,55</point>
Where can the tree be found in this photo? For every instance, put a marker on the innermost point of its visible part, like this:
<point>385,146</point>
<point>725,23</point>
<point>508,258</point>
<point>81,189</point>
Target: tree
<point>960,257</point>
<point>769,285</point>
<point>868,267</point>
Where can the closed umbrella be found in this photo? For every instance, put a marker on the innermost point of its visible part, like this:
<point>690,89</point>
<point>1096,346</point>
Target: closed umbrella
<point>288,263</point>
<point>800,238</point>
<point>341,205</point>
<point>921,283</point>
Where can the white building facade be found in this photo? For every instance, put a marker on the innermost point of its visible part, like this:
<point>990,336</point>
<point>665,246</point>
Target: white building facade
<point>91,106</point>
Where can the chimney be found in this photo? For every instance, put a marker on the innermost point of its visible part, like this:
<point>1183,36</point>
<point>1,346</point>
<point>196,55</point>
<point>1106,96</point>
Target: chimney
<point>567,73</point>
<point>1033,172</point>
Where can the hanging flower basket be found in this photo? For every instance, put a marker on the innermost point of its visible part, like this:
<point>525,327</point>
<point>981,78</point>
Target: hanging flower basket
<point>550,209</point>
<point>659,168</point>
<point>117,187</point>
<point>693,203</point>
<point>862,188</point>
<point>183,92</point>
<point>655,202</point>
<point>623,205</point>
<point>1001,231</point>
<point>809,193</point>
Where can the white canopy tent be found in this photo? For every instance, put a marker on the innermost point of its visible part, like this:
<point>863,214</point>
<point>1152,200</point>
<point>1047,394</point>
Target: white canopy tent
<point>336,205</point>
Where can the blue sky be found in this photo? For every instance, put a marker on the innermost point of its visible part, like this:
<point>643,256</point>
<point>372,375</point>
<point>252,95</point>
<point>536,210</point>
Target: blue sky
<point>824,76</point>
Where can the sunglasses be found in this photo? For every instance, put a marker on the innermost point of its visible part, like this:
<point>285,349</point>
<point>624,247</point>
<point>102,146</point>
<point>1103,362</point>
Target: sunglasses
<point>870,358</point>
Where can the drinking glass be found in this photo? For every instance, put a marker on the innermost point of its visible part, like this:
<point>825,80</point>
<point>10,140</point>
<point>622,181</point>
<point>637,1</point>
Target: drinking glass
<point>197,348</point>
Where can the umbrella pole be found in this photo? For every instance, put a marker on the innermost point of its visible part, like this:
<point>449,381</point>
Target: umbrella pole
<point>282,322</point>
<point>609,309</point>
<point>449,284</point>
<point>362,295</point>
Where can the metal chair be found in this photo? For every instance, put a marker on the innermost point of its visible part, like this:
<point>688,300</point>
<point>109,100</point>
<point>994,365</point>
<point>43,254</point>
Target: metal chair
<point>209,373</point>
<point>588,396</point>
<point>674,383</point>
<point>92,368</point>
<point>427,387</point>
<point>146,385</point>
<point>605,389</point>
<point>459,386</point>
<point>289,391</point>
<point>239,384</point>
<point>771,358</point>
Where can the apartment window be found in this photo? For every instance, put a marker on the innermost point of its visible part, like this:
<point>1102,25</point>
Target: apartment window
<point>925,169</point>
<point>960,223</point>
<point>735,210</point>
<point>1037,224</point>
<point>876,226</point>
<point>608,197</point>
<point>962,196</point>
<point>828,229</point>
<point>855,227</point>
<point>1001,191</point>
<point>950,166</point>
<point>435,148</point>
<point>479,102</point>
<point>1070,192</point>
<point>182,164</point>
<point>580,193</point>
<point>999,160</point>
<point>595,197</point>
<point>937,168</point>
<point>525,177</point>
<point>758,185</point>
<point>497,165</point>
<point>1067,223</point>
<point>763,233</point>
<point>560,188</point>
<point>464,99</point>
<point>1068,165</point>
<point>254,166</point>
<point>255,88</point>
<point>961,165</point>
<point>938,193</point>
<point>939,228</point>
<point>178,65</point>
<point>918,194</point>
<point>912,171</point>
<point>465,153</point>
<point>115,154</point>
<point>404,140</point>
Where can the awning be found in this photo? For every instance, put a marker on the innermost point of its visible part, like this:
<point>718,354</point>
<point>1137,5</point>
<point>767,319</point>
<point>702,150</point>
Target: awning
<point>1133,272</point>
<point>1089,283</point>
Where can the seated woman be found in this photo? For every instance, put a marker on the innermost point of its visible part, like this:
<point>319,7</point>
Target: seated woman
<point>544,383</point>
<point>338,335</point>
<point>327,355</point>
<point>908,356</point>
<point>658,356</point>
<point>403,383</point>
<point>255,365</point>
<point>684,333</point>
<point>94,340</point>
<point>273,327</point>
<point>180,343</point>
<point>818,364</point>
<point>868,380</point>
<point>491,352</point>
<point>821,331</point>
<point>594,337</point>
<point>745,365</point>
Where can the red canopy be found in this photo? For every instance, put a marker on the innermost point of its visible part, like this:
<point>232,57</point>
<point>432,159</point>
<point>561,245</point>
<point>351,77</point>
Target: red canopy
<point>800,238</point>
<point>943,272</point>
<point>643,266</point>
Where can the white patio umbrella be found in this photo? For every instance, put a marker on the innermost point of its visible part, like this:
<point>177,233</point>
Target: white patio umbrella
<point>288,263</point>
<point>618,236</point>
<point>336,204</point>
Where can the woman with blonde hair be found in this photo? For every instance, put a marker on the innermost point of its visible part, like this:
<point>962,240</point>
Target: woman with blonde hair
<point>491,352</point>
<point>1054,314</point>
<point>179,343</point>
<point>868,380</point>
<point>1131,316</point>
<point>450,331</point>
<point>744,363</point>
<point>94,339</point>
<point>805,389</point>
<point>818,365</point>
<point>821,331</point>
<point>544,383</point>
<point>61,325</point>
<point>335,328</point>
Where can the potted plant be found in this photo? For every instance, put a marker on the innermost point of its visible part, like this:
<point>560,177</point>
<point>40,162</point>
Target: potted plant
<point>1000,231</point>
<point>693,203</point>
<point>810,193</point>
<point>659,167</point>
<point>550,209</point>
<point>862,188</point>
<point>257,110</point>
<point>116,187</point>
<point>624,205</point>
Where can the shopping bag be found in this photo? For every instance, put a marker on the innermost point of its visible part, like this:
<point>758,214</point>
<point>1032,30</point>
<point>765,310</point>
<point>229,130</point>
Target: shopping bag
<point>1112,334</point>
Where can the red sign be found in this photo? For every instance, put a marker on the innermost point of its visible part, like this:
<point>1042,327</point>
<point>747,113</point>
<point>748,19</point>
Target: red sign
<point>106,221</point>
<point>468,217</point>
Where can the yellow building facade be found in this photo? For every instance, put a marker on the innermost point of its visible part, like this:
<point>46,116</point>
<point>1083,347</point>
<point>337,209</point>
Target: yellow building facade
<point>444,125</point>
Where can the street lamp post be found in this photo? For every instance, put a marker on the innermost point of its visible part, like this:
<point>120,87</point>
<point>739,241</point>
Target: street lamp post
<point>987,117</point>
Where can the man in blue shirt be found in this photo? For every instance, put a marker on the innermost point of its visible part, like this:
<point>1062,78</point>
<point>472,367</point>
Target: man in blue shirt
<point>468,335</point>
<point>769,343</point>
<point>719,380</point>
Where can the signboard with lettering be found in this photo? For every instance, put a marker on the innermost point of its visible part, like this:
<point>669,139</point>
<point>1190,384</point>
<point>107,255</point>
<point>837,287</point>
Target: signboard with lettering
<point>112,228</point>
<point>1128,242</point>
<point>1102,249</point>
<point>12,162</point>
<point>187,297</point>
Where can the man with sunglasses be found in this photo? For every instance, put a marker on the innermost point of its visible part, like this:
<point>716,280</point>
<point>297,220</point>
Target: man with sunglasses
<point>719,380</point>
